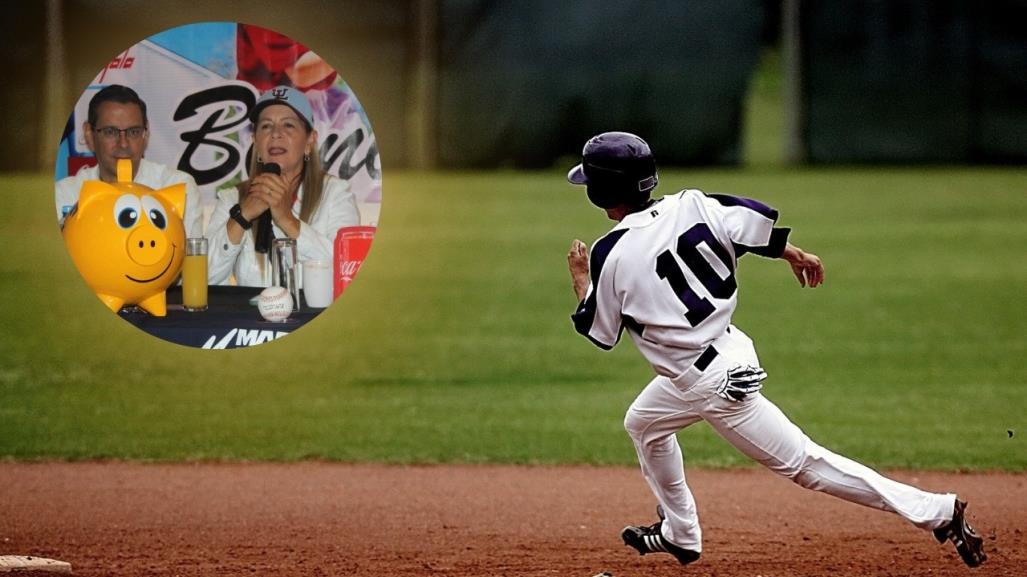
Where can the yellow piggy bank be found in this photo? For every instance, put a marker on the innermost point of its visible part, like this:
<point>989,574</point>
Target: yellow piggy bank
<point>127,240</point>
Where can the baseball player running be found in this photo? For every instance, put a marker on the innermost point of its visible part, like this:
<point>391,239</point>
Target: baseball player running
<point>666,273</point>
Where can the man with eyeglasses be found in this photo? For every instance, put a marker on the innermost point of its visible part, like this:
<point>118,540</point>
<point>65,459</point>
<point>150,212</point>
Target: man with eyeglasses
<point>117,128</point>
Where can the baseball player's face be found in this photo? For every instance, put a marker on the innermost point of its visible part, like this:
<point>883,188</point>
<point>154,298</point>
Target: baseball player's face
<point>281,136</point>
<point>119,133</point>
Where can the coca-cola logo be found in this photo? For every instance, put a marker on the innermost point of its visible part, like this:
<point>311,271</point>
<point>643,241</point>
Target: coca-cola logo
<point>348,269</point>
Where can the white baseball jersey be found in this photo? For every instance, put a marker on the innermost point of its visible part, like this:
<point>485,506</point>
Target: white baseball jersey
<point>667,274</point>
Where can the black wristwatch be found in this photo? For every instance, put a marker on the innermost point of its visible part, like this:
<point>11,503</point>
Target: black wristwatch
<point>236,213</point>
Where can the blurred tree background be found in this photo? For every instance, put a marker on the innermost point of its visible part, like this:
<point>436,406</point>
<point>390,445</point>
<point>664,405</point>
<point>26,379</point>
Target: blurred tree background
<point>522,83</point>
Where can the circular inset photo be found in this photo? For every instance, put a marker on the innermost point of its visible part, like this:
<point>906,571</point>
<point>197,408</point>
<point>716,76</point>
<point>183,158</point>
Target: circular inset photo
<point>218,185</point>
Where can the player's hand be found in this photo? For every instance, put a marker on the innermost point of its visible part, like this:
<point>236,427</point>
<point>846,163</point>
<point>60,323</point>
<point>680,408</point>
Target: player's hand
<point>577,258</point>
<point>742,382</point>
<point>805,265</point>
<point>577,263</point>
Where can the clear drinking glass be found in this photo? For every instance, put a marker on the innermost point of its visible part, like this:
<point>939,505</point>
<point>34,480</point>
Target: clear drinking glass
<point>194,275</point>
<point>285,268</point>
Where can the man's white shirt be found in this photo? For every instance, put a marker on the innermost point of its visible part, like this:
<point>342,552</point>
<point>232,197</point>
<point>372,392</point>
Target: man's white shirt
<point>150,174</point>
<point>666,274</point>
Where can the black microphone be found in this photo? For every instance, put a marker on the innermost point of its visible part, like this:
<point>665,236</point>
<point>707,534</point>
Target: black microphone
<point>264,232</point>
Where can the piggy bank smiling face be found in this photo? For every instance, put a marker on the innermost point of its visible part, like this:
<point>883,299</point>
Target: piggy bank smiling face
<point>128,240</point>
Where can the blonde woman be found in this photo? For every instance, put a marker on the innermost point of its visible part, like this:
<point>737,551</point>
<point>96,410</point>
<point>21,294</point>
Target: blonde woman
<point>304,203</point>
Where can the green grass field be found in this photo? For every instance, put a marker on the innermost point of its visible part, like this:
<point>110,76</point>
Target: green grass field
<point>454,344</point>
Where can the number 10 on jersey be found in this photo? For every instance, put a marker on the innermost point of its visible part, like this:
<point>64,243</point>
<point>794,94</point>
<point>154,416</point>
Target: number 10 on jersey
<point>699,308</point>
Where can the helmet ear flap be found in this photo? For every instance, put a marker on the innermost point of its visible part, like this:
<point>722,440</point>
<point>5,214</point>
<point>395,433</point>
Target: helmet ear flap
<point>606,187</point>
<point>602,196</point>
<point>605,196</point>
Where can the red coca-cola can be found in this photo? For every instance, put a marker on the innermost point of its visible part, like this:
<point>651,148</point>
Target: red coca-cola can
<point>351,246</point>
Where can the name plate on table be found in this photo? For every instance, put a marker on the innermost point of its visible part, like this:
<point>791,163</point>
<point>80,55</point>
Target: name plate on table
<point>241,337</point>
<point>229,321</point>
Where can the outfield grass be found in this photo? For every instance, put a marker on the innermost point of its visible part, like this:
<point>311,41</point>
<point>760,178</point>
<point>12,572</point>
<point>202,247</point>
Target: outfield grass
<point>454,343</point>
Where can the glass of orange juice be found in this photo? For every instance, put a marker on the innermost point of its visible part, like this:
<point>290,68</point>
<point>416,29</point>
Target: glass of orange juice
<point>194,275</point>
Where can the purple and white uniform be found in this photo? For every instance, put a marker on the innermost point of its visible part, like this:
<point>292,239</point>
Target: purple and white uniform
<point>666,274</point>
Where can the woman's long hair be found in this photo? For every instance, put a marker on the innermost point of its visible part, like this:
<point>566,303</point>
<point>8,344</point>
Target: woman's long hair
<point>312,180</point>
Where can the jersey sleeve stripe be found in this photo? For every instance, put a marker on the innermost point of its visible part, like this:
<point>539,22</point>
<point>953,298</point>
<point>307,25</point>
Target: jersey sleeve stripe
<point>585,314</point>
<point>632,325</point>
<point>601,251</point>
<point>755,205</point>
<point>598,343</point>
<point>774,248</point>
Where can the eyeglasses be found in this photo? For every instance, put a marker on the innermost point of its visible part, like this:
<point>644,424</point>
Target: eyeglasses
<point>112,133</point>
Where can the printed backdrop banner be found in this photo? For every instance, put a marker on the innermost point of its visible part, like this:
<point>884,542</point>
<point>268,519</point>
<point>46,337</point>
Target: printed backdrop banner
<point>199,81</point>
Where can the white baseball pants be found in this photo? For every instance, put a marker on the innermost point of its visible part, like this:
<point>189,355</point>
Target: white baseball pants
<point>757,428</point>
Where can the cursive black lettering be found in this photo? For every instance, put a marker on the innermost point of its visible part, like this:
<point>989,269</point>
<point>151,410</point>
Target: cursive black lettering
<point>210,131</point>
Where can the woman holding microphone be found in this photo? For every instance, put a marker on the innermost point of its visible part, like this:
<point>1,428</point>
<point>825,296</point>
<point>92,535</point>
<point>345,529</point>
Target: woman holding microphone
<point>287,181</point>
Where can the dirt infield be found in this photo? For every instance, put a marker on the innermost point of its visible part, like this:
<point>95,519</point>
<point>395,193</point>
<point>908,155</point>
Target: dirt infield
<point>369,520</point>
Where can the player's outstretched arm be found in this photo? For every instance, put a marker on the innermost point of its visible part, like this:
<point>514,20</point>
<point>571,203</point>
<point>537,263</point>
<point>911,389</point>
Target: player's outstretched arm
<point>577,262</point>
<point>806,266</point>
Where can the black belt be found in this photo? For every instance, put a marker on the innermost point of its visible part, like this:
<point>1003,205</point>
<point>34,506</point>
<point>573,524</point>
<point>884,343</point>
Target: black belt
<point>705,358</point>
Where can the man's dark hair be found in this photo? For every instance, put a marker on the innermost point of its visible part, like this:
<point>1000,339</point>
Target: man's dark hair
<point>115,93</point>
